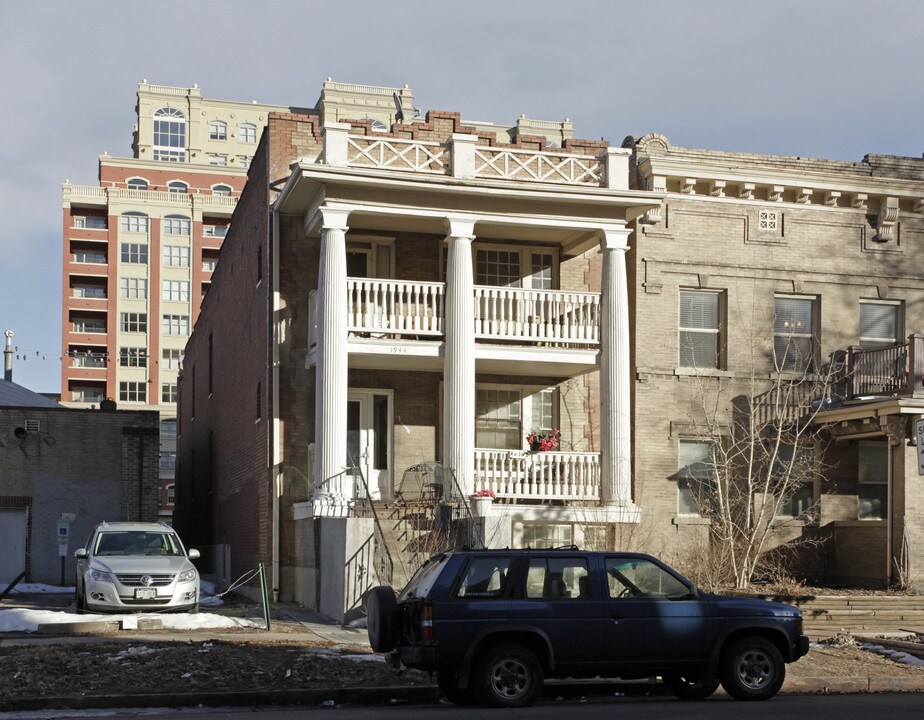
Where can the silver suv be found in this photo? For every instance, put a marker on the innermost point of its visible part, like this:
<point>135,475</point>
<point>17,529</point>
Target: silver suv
<point>131,567</point>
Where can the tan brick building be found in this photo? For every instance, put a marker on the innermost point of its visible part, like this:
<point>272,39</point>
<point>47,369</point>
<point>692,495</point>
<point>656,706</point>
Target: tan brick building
<point>743,246</point>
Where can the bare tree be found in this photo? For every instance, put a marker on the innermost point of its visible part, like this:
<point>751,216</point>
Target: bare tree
<point>756,451</point>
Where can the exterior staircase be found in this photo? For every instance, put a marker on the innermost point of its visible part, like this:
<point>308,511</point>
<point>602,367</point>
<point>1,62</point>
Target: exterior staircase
<point>410,533</point>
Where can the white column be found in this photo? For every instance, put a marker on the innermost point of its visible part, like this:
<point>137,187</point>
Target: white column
<point>615,417</point>
<point>332,492</point>
<point>459,357</point>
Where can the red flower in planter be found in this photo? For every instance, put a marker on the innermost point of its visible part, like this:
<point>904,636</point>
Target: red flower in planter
<point>543,440</point>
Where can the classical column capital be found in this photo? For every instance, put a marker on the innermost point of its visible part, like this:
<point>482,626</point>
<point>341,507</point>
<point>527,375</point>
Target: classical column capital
<point>334,218</point>
<point>614,238</point>
<point>460,226</point>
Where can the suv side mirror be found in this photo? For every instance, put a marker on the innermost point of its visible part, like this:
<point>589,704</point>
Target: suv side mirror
<point>193,554</point>
<point>81,553</point>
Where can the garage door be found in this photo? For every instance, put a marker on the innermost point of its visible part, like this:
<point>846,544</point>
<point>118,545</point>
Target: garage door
<point>13,542</point>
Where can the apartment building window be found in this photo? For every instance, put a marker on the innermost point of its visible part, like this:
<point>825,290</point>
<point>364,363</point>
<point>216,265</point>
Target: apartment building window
<point>169,135</point>
<point>794,465</point>
<point>133,322</point>
<point>168,429</point>
<point>168,393</point>
<point>87,395</point>
<point>95,292</point>
<point>215,230</point>
<point>247,133</point>
<point>133,357</point>
<point>176,225</point>
<point>175,291</point>
<point>134,253</point>
<point>171,495</point>
<point>221,190</point>
<point>872,479</point>
<point>178,187</point>
<point>133,391</point>
<point>134,222</point>
<point>540,277</point>
<point>700,328</point>
<point>175,325</point>
<point>90,222</point>
<point>794,334</point>
<point>218,130</point>
<point>176,256</point>
<point>695,475</point>
<point>133,288</point>
<point>880,324</point>
<point>209,264</point>
<point>497,268</point>
<point>244,161</point>
<point>137,184</point>
<point>91,257</point>
<point>87,359</point>
<point>498,418</point>
<point>167,459</point>
<point>89,326</point>
<point>218,160</point>
<point>171,358</point>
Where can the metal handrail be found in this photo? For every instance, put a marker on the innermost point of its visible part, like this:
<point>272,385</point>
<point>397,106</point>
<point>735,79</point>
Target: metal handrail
<point>385,564</point>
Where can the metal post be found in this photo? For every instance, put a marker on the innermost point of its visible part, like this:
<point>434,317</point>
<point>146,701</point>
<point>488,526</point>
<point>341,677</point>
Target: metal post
<point>265,596</point>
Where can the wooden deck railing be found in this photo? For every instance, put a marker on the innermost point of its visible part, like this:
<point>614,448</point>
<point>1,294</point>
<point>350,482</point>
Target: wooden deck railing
<point>893,370</point>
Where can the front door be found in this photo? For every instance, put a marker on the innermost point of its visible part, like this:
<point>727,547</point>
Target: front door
<point>369,451</point>
<point>13,529</point>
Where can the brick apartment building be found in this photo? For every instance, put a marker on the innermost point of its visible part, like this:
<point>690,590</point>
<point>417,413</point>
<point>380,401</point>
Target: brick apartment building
<point>139,251</point>
<point>400,290</point>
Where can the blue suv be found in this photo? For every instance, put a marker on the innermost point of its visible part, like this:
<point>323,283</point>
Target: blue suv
<point>493,624</point>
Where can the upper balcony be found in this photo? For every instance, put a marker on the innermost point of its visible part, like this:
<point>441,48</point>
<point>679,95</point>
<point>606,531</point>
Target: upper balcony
<point>462,157</point>
<point>893,371</point>
<point>400,324</point>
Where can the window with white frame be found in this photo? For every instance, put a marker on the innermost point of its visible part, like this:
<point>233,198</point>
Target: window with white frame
<point>91,222</point>
<point>171,358</point>
<point>133,322</point>
<point>168,392</point>
<point>136,184</point>
<point>695,475</point>
<point>133,357</point>
<point>175,291</point>
<point>169,135</point>
<point>176,225</point>
<point>218,160</point>
<point>247,133</point>
<point>96,292</point>
<point>244,161</point>
<point>130,391</point>
<point>133,288</point>
<point>221,190</point>
<point>209,264</point>
<point>168,457</point>
<point>134,253</point>
<point>134,222</point>
<point>872,479</point>
<point>880,324</point>
<point>215,230</point>
<point>700,328</point>
<point>168,428</point>
<point>171,495</point>
<point>498,418</point>
<point>178,187</point>
<point>89,326</point>
<point>92,257</point>
<point>175,325</point>
<point>794,336</point>
<point>176,256</point>
<point>547,535</point>
<point>218,130</point>
<point>497,267</point>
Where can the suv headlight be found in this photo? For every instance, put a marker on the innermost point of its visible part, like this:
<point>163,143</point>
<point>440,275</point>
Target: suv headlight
<point>186,576</point>
<point>100,575</point>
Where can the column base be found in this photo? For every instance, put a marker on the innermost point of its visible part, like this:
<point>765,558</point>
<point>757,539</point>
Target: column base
<point>335,506</point>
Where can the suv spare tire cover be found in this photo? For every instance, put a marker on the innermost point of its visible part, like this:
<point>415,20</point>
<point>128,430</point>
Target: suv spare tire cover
<point>382,610</point>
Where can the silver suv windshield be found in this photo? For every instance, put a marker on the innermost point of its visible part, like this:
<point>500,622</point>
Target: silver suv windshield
<point>137,542</point>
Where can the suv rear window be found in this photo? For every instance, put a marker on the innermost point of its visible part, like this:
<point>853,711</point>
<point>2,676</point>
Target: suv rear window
<point>420,585</point>
<point>557,578</point>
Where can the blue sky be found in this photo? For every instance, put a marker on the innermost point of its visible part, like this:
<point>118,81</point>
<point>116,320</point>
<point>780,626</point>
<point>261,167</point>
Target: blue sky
<point>813,79</point>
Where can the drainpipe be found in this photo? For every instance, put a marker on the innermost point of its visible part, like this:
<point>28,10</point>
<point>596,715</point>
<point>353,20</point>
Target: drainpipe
<point>275,439</point>
<point>8,357</point>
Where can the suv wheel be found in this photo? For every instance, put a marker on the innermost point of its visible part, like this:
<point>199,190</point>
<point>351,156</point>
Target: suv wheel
<point>382,612</point>
<point>509,676</point>
<point>689,686</point>
<point>752,668</point>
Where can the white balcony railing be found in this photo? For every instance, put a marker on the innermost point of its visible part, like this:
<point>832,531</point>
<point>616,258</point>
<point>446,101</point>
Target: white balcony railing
<point>547,316</point>
<point>538,166</point>
<point>517,474</point>
<point>394,307</point>
<point>393,154</point>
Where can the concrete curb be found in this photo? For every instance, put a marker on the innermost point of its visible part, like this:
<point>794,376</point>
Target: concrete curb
<point>405,695</point>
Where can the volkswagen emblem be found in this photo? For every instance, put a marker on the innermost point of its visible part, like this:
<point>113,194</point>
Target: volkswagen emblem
<point>147,580</point>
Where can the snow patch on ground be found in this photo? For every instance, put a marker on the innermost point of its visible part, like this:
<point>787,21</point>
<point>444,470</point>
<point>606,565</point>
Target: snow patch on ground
<point>896,655</point>
<point>39,588</point>
<point>28,620</point>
